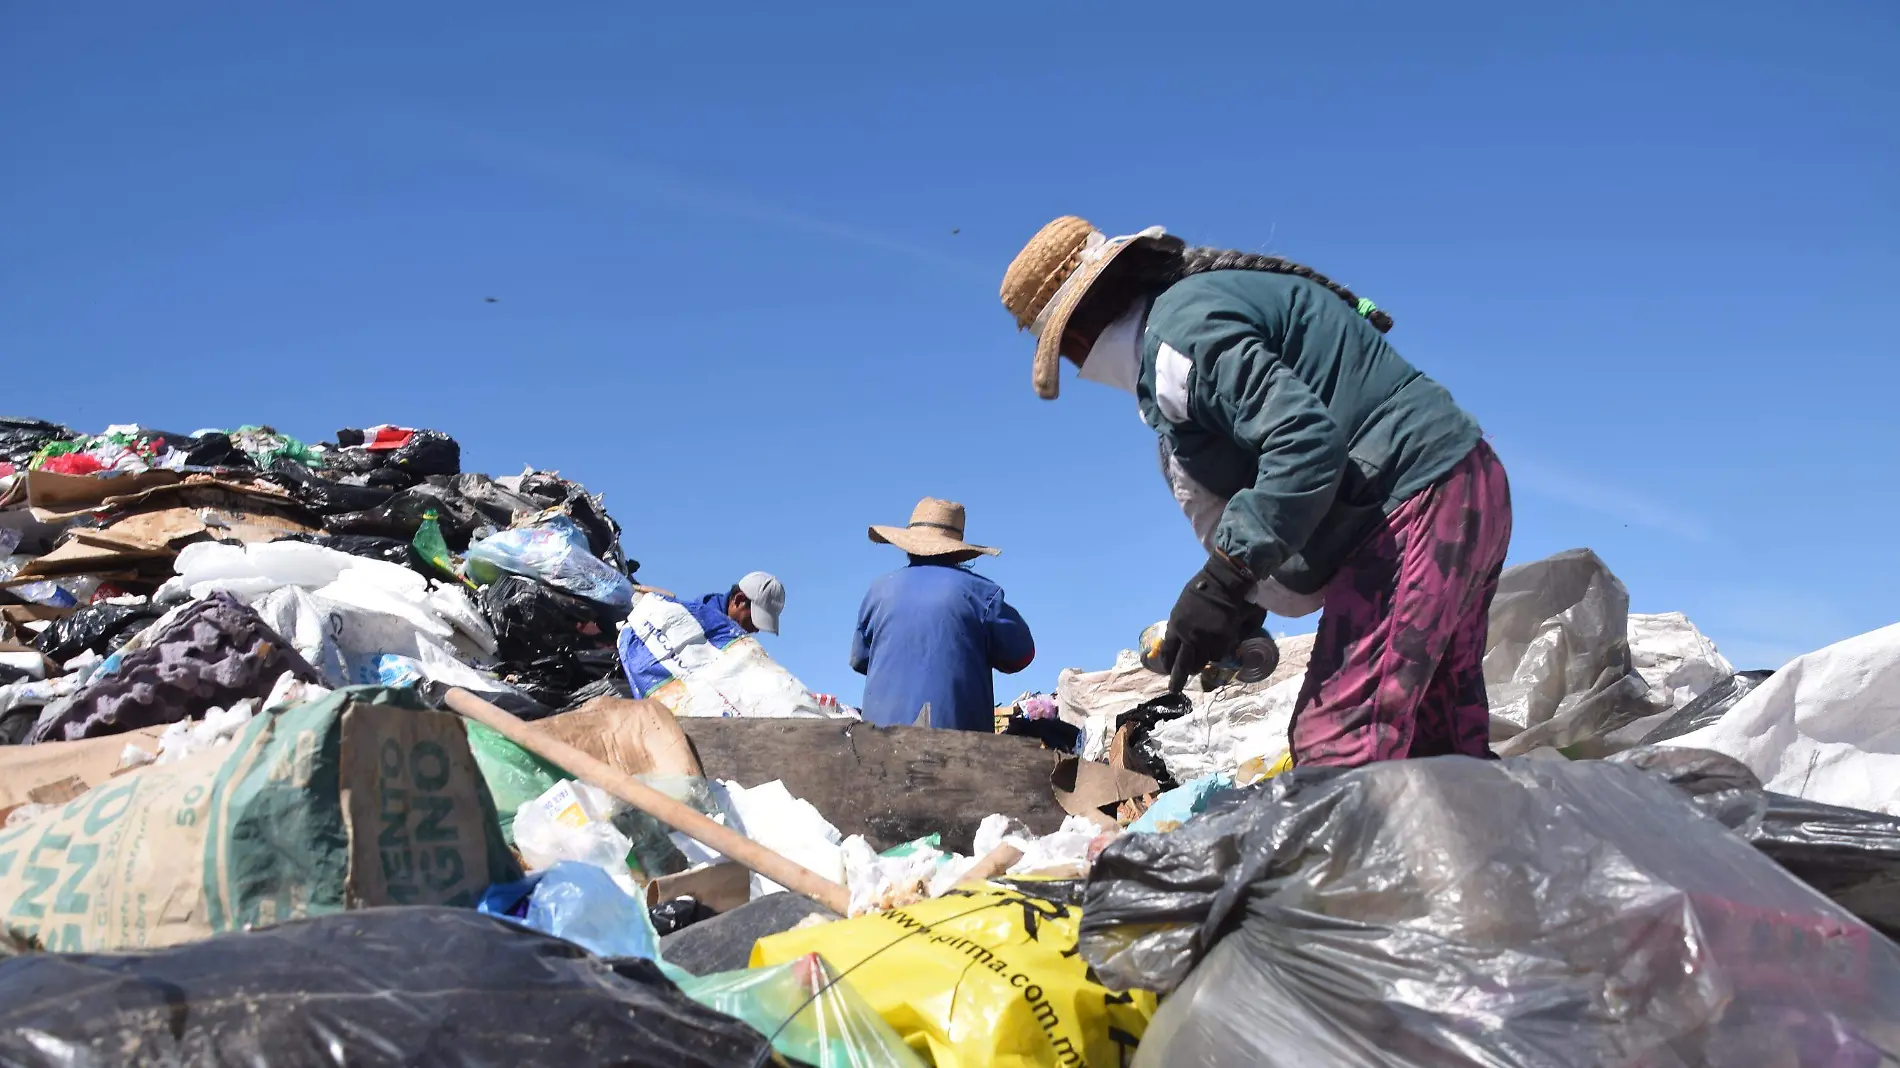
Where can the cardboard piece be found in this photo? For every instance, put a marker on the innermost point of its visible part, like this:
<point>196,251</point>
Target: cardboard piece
<point>637,737</point>
<point>1085,788</point>
<point>141,542</point>
<point>57,494</point>
<point>720,887</point>
<point>195,491</point>
<point>339,803</point>
<point>26,768</point>
<point>19,615</point>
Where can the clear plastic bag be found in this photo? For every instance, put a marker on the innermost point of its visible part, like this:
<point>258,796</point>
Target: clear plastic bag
<point>809,1014</point>
<point>571,821</point>
<point>554,550</point>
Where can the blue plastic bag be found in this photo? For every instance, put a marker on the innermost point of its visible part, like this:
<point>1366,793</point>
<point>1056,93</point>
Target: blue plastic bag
<point>555,551</point>
<point>582,904</point>
<point>1180,804</point>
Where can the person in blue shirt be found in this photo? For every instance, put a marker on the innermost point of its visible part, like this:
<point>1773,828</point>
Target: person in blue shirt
<point>754,603</point>
<point>930,634</point>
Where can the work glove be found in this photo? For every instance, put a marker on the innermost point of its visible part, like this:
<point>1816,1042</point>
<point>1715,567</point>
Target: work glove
<point>1207,619</point>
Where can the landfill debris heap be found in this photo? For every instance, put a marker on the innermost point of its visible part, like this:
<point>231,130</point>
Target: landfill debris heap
<point>237,815</point>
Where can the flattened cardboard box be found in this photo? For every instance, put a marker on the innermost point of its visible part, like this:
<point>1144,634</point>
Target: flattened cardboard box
<point>341,803</point>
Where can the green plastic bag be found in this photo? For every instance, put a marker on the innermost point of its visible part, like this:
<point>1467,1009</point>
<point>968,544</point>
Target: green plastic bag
<point>515,776</point>
<point>809,1014</point>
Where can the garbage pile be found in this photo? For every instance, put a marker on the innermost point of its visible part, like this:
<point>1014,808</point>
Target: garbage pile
<point>242,824</point>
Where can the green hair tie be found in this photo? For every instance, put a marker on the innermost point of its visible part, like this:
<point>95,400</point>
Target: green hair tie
<point>1366,308</point>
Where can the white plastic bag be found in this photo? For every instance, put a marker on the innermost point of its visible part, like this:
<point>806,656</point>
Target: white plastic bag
<point>789,826</point>
<point>1826,727</point>
<point>571,821</point>
<point>1678,661</point>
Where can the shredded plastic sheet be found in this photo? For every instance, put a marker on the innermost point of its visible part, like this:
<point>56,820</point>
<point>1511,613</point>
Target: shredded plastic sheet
<point>376,988</point>
<point>1453,911</point>
<point>812,1015</point>
<point>1824,727</point>
<point>1235,717</point>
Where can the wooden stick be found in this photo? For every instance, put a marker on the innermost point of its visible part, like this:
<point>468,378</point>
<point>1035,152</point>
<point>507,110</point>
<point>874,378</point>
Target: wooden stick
<point>994,863</point>
<point>680,817</point>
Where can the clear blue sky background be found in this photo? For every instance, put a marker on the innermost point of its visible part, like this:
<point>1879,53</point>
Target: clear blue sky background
<point>747,259</point>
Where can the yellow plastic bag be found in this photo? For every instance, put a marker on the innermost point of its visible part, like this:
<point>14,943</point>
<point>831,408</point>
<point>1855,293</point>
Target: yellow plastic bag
<point>985,976</point>
<point>1257,770</point>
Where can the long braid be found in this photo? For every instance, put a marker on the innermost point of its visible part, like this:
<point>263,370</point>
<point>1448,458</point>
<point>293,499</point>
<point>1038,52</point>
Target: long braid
<point>1199,260</point>
<point>1153,265</point>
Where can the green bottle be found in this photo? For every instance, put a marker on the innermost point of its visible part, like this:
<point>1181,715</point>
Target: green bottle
<point>429,544</point>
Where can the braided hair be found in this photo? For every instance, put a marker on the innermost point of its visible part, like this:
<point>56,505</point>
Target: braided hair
<point>1199,260</point>
<point>1153,266</point>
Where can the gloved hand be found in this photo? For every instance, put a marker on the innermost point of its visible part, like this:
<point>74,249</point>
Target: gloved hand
<point>1207,619</point>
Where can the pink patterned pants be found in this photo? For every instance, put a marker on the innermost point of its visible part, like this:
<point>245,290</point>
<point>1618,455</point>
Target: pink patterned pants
<point>1398,664</point>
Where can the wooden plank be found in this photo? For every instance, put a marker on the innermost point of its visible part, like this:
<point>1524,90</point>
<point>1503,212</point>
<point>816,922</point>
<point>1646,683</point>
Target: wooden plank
<point>890,784</point>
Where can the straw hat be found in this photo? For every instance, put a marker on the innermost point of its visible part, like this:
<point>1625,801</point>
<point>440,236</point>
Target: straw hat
<point>936,529</point>
<point>1047,280</point>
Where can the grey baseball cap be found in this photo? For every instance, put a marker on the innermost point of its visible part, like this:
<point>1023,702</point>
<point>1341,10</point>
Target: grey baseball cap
<point>767,595</point>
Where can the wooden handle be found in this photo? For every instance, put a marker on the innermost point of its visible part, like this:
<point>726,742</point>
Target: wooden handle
<point>680,817</point>
<point>994,863</point>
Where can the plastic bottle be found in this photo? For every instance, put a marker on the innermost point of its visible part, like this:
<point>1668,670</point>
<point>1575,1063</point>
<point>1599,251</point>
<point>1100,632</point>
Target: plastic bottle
<point>430,546</point>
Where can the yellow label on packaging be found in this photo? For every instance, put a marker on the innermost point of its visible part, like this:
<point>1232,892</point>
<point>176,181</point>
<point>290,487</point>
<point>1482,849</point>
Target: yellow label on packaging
<point>563,806</point>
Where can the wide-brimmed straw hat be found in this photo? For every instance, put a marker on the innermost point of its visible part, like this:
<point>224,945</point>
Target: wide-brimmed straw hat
<point>936,529</point>
<point>1047,280</point>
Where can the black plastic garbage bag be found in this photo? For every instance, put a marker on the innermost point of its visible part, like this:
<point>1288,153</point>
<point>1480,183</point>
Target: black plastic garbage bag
<point>499,504</point>
<point>1452,911</point>
<point>1140,753</point>
<point>216,652</point>
<point>378,987</point>
<point>388,550</point>
<point>217,450</point>
<point>325,496</point>
<point>427,452</point>
<point>1851,855</point>
<point>550,643</point>
<point>400,515</point>
<point>1708,708</point>
<point>21,438</point>
<point>100,628</point>
<point>613,684</point>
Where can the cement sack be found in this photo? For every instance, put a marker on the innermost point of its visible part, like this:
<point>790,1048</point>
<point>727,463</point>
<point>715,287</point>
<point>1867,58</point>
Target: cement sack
<point>1825,728</point>
<point>736,680</point>
<point>345,802</point>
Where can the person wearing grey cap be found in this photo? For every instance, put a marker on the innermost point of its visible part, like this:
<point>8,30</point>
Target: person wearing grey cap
<point>754,602</point>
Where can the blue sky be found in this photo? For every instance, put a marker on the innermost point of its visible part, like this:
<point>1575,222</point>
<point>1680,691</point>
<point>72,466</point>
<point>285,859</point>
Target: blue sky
<point>746,260</point>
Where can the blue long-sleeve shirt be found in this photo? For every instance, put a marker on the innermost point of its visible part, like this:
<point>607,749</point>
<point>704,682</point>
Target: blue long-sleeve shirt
<point>930,634</point>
